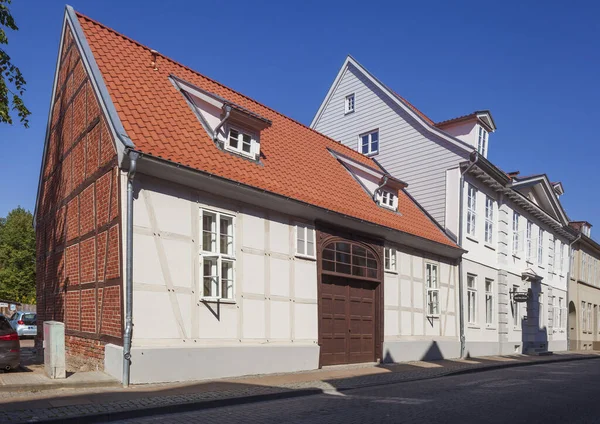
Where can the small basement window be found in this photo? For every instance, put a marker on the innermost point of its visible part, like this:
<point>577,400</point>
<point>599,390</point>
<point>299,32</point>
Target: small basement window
<point>242,142</point>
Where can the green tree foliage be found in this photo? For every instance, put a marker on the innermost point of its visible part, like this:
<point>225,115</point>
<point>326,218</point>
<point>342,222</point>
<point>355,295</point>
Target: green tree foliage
<point>12,83</point>
<point>17,256</point>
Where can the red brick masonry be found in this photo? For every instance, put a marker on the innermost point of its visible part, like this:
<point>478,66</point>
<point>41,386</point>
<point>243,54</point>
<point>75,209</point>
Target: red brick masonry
<point>78,225</point>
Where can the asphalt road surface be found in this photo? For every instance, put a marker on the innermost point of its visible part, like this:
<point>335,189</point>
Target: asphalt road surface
<point>567,392</point>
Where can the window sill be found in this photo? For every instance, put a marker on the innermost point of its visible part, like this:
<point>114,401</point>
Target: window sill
<point>472,238</point>
<point>541,267</point>
<point>528,262</point>
<point>489,246</point>
<point>433,316</point>
<point>490,327</point>
<point>517,329</point>
<point>516,256</point>
<point>217,300</point>
<point>391,271</point>
<point>371,154</point>
<point>348,112</point>
<point>306,257</point>
<point>474,326</point>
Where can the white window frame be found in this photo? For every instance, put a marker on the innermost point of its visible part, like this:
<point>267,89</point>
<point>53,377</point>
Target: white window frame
<point>589,318</point>
<point>582,277</point>
<point>583,317</point>
<point>349,103</point>
<point>515,311</point>
<point>471,210</point>
<point>562,258</point>
<point>432,289</point>
<point>515,230</point>
<point>472,300</point>
<point>306,231</point>
<point>540,252</point>
<point>563,314</point>
<point>390,256</point>
<point>541,320</point>
<point>254,142</point>
<point>551,255</point>
<point>388,199</point>
<point>489,220</point>
<point>482,141</point>
<point>528,241</point>
<point>217,255</point>
<point>489,302</point>
<point>370,151</point>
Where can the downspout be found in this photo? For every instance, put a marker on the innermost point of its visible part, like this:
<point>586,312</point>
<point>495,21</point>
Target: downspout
<point>220,124</point>
<point>133,157</point>
<point>385,180</point>
<point>568,300</point>
<point>460,264</point>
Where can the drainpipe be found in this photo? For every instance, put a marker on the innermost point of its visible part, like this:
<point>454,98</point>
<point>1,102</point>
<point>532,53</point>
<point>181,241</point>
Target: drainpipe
<point>568,299</point>
<point>474,157</point>
<point>133,157</point>
<point>220,124</point>
<point>385,180</point>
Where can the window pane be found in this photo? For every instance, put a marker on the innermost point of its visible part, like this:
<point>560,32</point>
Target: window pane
<point>342,268</point>
<point>342,247</point>
<point>233,138</point>
<point>310,242</point>
<point>211,283</point>
<point>328,266</point>
<point>342,257</point>
<point>227,279</point>
<point>246,143</point>
<point>365,144</point>
<point>226,229</point>
<point>300,239</point>
<point>209,232</point>
<point>328,254</point>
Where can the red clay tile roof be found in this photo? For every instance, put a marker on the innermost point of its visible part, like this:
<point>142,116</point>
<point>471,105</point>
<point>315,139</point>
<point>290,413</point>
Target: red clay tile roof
<point>414,108</point>
<point>296,162</point>
<point>457,119</point>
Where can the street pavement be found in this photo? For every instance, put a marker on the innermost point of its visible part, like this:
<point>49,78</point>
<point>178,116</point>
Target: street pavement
<point>566,392</point>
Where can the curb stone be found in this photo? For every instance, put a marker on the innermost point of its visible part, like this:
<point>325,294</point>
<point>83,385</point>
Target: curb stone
<point>284,393</point>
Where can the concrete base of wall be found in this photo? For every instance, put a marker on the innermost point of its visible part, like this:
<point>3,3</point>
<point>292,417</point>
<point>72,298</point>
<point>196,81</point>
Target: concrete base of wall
<point>511,348</point>
<point>473,349</point>
<point>557,345</point>
<point>159,364</point>
<point>420,350</point>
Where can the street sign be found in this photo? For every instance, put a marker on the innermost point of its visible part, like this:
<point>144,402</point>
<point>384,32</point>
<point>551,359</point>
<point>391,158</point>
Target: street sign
<point>520,297</point>
<point>3,305</point>
<point>13,307</point>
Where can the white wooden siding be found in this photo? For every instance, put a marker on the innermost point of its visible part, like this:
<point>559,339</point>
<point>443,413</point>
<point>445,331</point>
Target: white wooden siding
<point>406,151</point>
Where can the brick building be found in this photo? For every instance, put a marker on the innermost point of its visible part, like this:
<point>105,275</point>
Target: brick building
<point>77,217</point>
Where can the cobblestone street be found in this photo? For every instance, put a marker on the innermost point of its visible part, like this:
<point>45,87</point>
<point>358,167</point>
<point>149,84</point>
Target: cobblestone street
<point>560,392</point>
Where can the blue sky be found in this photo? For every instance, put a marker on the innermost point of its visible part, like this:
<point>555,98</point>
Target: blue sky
<point>536,68</point>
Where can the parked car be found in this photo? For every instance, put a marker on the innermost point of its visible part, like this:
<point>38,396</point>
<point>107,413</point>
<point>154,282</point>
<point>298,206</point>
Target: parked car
<point>10,348</point>
<point>24,323</point>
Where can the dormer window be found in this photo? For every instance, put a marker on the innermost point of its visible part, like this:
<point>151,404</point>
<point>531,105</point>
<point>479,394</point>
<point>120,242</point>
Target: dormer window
<point>388,199</point>
<point>231,127</point>
<point>241,142</point>
<point>349,104</point>
<point>482,141</point>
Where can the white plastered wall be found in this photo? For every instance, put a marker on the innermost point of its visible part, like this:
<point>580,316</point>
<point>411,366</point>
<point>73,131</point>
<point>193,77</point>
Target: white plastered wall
<point>275,292</point>
<point>409,333</point>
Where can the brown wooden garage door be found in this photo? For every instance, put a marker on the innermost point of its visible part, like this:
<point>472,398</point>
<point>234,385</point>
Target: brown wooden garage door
<point>347,327</point>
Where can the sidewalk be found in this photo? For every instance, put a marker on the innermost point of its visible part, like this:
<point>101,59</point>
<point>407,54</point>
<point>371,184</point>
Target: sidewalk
<point>80,402</point>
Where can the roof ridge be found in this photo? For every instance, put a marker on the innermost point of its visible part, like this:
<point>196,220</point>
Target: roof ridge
<point>114,31</point>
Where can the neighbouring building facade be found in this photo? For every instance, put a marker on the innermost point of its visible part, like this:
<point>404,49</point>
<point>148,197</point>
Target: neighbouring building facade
<point>257,244</point>
<point>584,290</point>
<point>512,228</point>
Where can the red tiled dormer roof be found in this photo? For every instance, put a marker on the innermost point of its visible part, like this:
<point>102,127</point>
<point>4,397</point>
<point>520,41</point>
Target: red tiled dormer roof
<point>295,161</point>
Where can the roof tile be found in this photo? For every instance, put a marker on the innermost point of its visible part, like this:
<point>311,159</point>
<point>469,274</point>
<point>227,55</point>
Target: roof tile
<point>296,161</point>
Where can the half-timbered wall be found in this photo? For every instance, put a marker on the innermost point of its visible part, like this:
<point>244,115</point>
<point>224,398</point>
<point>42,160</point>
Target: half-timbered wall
<point>275,292</point>
<point>409,332</point>
<point>78,219</point>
